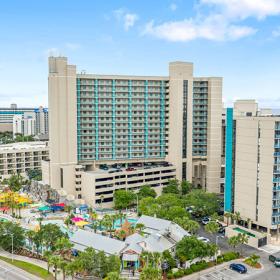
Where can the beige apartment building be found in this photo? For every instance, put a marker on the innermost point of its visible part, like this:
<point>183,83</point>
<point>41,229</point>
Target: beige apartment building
<point>112,132</point>
<point>21,157</point>
<point>252,176</point>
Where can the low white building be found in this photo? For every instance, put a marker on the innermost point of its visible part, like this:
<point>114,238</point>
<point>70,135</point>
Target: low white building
<point>21,157</point>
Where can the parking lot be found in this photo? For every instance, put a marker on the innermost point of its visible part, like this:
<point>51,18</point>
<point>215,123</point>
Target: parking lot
<point>227,274</point>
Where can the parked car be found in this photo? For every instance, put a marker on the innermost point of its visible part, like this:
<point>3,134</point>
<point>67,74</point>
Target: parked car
<point>238,267</point>
<point>130,169</point>
<point>190,209</point>
<point>205,220</point>
<point>277,263</point>
<point>222,230</point>
<point>203,239</point>
<point>104,166</point>
<point>275,257</point>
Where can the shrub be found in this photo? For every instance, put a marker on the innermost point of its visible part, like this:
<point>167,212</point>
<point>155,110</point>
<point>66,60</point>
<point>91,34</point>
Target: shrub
<point>188,271</point>
<point>170,275</point>
<point>178,274</point>
<point>230,256</point>
<point>199,266</point>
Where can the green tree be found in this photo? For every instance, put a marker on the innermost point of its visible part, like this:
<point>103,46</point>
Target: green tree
<point>63,247</point>
<point>50,234</point>
<point>114,276</point>
<point>205,204</point>
<point>123,199</point>
<point>146,191</point>
<point>227,215</point>
<point>233,242</point>
<point>212,227</point>
<point>140,227</point>
<point>243,239</point>
<point>15,182</point>
<point>55,262</point>
<point>9,231</point>
<point>190,248</point>
<point>186,187</point>
<point>150,273</point>
<point>253,260</point>
<point>187,224</point>
<point>172,187</point>
<point>166,255</point>
<point>34,174</point>
<point>47,255</point>
<point>72,268</point>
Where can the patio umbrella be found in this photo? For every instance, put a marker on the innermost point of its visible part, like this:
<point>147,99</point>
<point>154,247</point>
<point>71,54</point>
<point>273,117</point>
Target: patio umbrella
<point>81,223</point>
<point>77,219</point>
<point>44,208</point>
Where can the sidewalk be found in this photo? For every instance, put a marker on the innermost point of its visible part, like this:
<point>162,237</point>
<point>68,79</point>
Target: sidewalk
<point>25,259</point>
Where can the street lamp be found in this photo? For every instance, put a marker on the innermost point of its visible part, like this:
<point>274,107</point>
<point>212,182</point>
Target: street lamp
<point>137,204</point>
<point>12,235</point>
<point>217,239</point>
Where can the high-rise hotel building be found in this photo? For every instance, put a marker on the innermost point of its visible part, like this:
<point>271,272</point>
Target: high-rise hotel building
<point>111,132</point>
<point>252,165</point>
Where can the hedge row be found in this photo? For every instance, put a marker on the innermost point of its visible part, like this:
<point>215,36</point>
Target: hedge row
<point>202,265</point>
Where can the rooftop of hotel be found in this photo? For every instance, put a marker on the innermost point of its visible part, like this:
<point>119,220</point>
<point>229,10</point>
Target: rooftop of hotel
<point>131,168</point>
<point>22,146</point>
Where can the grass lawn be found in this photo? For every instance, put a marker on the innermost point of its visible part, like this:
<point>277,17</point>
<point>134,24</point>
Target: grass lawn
<point>29,267</point>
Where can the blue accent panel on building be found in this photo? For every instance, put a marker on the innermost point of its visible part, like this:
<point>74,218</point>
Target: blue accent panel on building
<point>11,113</point>
<point>113,119</point>
<point>96,120</point>
<point>146,129</point>
<point>228,160</point>
<point>79,118</point>
<point>162,119</point>
<point>129,119</point>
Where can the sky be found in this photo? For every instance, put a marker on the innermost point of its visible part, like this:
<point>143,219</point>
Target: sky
<point>236,39</point>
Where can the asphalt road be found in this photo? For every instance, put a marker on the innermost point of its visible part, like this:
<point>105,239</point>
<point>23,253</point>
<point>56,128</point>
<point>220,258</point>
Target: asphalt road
<point>8,272</point>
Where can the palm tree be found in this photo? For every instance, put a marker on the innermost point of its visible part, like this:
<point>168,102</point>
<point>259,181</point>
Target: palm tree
<point>122,234</point>
<point>139,227</point>
<point>192,226</point>
<point>233,217</point>
<point>227,216</point>
<point>63,246</point>
<point>55,262</point>
<point>212,227</point>
<point>63,266</point>
<point>248,223</point>
<point>243,239</point>
<point>237,217</point>
<point>47,255</point>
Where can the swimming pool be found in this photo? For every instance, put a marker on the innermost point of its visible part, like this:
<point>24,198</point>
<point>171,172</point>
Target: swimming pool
<point>118,223</point>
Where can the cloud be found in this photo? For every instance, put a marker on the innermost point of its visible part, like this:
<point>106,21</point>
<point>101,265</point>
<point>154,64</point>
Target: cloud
<point>213,28</point>
<point>72,46</point>
<point>128,19</point>
<point>242,9</point>
<point>276,32</point>
<point>173,7</point>
<point>216,20</point>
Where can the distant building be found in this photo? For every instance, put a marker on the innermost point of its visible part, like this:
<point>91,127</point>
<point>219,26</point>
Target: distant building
<point>35,120</point>
<point>21,157</point>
